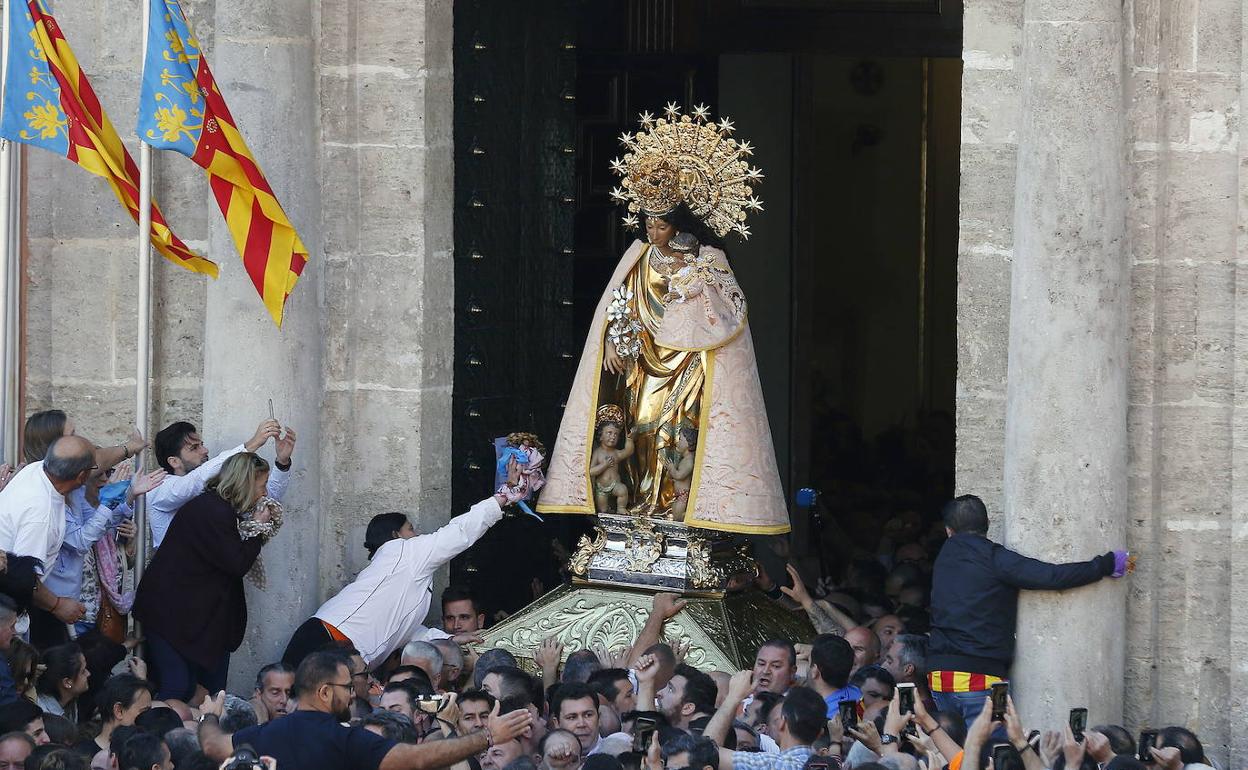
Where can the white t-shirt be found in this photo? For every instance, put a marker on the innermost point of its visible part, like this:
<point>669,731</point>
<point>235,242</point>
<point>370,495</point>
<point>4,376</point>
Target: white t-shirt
<point>32,516</point>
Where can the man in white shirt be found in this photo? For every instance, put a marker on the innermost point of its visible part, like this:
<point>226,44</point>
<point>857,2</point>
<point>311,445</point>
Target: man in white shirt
<point>182,453</point>
<point>385,606</point>
<point>32,513</point>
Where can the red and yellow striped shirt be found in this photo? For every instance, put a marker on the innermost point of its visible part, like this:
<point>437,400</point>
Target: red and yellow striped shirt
<point>960,681</point>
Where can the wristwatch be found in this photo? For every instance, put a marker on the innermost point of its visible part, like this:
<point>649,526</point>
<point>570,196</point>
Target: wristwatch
<point>886,739</point>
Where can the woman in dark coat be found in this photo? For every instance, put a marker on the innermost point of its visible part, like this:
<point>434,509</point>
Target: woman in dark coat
<point>191,601</point>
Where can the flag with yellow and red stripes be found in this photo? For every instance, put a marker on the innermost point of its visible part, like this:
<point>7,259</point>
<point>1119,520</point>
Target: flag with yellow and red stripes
<point>49,103</point>
<point>181,109</point>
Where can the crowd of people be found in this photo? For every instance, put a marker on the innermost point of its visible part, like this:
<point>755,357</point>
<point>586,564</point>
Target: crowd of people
<point>907,667</point>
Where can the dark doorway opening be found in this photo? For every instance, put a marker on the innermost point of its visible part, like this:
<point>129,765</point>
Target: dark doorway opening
<point>850,274</point>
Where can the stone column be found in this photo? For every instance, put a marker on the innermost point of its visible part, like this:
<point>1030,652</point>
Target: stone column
<point>263,60</point>
<point>1066,448</point>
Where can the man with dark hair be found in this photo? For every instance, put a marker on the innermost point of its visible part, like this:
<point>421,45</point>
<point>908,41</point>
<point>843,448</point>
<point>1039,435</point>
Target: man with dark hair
<point>25,717</point>
<point>32,519</point>
<point>975,585</point>
<point>775,666</point>
<point>404,698</point>
<point>580,665</point>
<point>313,738</point>
<point>474,709</point>
<point>615,688</point>
<point>490,660</point>
<point>508,682</point>
<point>274,684</point>
<point>181,452</point>
<point>795,725</point>
<point>121,699</point>
<point>693,752</point>
<point>159,720</point>
<point>831,660</point>
<point>460,612</point>
<point>574,707</point>
<point>144,751</point>
<point>1190,750</point>
<point>688,697</point>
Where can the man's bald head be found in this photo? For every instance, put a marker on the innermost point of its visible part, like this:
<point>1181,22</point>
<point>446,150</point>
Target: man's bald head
<point>69,460</point>
<point>866,646</point>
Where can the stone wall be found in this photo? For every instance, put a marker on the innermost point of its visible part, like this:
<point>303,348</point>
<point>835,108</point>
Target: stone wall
<point>348,109</point>
<point>1182,90</point>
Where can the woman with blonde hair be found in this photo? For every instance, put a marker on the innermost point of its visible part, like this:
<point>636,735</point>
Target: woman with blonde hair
<point>191,599</point>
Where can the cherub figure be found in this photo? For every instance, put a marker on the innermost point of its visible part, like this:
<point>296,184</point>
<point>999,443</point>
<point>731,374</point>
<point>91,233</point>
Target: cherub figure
<point>604,462</point>
<point>680,467</point>
<point>529,454</point>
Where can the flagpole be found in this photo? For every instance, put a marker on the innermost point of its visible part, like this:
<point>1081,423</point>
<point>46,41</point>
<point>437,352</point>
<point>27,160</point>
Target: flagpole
<point>144,369</point>
<point>14,313</point>
<point>7,374</point>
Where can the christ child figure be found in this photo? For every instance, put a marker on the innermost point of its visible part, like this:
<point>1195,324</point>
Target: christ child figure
<point>604,462</point>
<point>680,468</point>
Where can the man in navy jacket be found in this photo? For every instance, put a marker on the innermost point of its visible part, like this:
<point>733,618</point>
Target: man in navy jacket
<point>975,585</point>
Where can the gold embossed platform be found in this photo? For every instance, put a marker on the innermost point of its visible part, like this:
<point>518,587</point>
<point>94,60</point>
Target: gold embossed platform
<point>616,574</point>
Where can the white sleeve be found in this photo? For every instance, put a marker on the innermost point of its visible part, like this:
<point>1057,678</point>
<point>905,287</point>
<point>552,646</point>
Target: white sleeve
<point>176,491</point>
<point>425,634</point>
<point>278,481</point>
<point>437,548</point>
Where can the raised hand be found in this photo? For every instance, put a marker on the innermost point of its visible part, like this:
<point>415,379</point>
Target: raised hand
<point>1072,749</point>
<point>1014,726</point>
<point>667,605</point>
<point>740,685</point>
<point>214,705</point>
<point>145,483</point>
<point>285,446</point>
<point>647,668</point>
<point>1050,747</point>
<point>868,735</point>
<point>509,726</point>
<point>264,431</point>
<point>127,529</point>
<point>797,592</point>
<point>548,655</point>
<point>68,611</point>
<point>135,443</point>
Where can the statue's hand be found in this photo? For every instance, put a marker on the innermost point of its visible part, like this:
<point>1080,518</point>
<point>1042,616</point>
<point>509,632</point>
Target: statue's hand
<point>611,360</point>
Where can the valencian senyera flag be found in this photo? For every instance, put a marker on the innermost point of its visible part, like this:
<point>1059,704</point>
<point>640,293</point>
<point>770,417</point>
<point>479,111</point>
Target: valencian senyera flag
<point>49,103</point>
<point>181,109</point>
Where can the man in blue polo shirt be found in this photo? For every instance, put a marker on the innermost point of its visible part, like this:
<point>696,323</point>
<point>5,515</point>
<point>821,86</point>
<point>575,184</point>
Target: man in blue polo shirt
<point>313,737</point>
<point>831,660</point>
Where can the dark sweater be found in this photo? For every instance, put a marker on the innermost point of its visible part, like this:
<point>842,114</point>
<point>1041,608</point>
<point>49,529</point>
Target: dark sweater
<point>192,592</point>
<point>975,585</point>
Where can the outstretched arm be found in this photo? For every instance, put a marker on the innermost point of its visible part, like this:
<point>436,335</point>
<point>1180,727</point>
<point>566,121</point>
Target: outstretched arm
<point>627,451</point>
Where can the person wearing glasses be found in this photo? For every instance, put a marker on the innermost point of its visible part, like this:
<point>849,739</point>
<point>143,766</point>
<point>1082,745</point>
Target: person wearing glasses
<point>32,517</point>
<point>191,600</point>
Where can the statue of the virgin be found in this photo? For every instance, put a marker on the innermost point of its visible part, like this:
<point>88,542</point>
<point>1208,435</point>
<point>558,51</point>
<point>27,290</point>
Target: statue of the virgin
<point>666,416</point>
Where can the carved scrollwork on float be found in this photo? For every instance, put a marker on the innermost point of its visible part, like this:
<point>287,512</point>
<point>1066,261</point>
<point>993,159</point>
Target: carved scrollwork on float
<point>585,551</point>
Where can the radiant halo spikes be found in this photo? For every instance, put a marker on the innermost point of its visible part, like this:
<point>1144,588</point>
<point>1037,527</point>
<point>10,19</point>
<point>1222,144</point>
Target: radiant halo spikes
<point>688,159</point>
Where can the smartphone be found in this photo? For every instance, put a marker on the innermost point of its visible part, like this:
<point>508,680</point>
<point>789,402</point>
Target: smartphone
<point>643,729</point>
<point>1005,757</point>
<point>1000,692</point>
<point>849,714</point>
<point>905,702</point>
<point>1148,739</point>
<point>1078,722</point>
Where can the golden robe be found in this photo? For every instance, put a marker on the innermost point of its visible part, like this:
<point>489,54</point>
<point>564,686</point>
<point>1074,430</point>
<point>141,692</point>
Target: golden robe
<point>697,367</point>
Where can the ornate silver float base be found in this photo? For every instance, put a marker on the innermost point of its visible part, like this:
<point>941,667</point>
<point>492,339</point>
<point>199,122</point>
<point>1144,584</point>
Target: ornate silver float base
<point>658,554</point>
<point>724,632</point>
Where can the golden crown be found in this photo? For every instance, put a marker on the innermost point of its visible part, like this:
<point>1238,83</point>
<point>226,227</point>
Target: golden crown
<point>687,159</point>
<point>609,413</point>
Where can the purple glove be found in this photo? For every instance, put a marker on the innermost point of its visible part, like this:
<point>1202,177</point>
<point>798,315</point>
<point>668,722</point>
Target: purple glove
<point>1120,563</point>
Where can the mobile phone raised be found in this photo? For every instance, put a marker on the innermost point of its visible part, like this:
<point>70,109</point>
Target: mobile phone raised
<point>1000,692</point>
<point>1148,739</point>
<point>643,729</point>
<point>1078,722</point>
<point>849,714</point>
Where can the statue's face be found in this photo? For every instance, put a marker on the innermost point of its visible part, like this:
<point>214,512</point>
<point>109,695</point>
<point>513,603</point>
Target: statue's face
<point>659,231</point>
<point>682,443</point>
<point>610,435</point>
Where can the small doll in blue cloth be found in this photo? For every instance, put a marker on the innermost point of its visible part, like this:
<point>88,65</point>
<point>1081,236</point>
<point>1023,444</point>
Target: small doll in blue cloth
<point>529,454</point>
